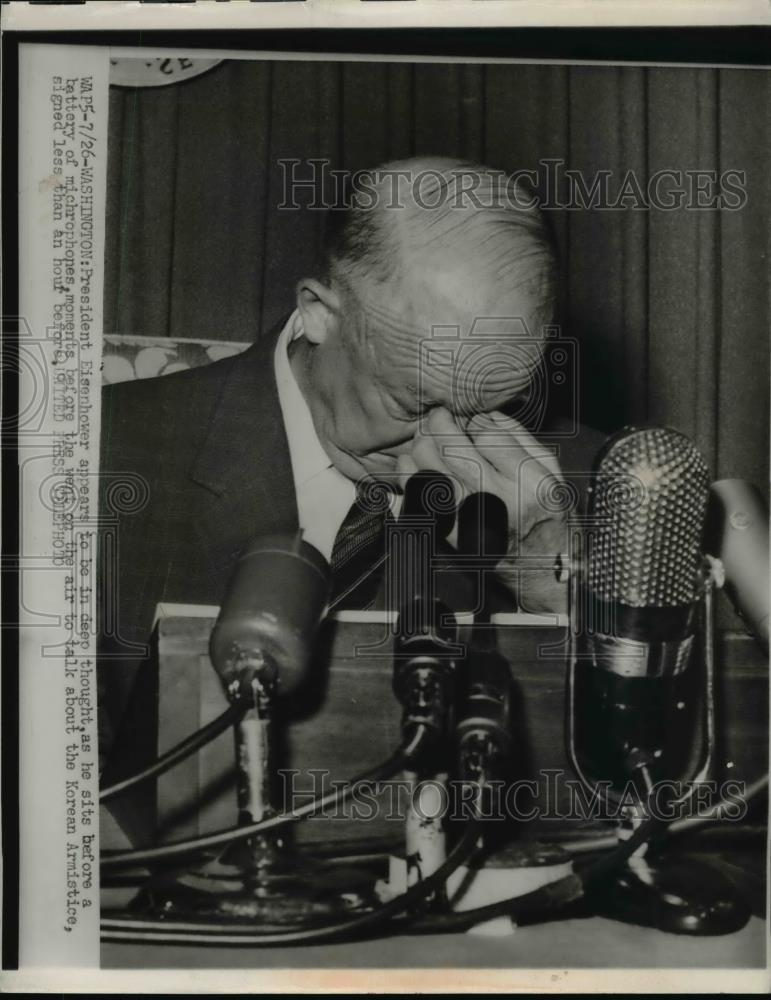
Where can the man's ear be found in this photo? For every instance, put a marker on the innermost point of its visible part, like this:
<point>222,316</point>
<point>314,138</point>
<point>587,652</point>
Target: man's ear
<point>319,308</point>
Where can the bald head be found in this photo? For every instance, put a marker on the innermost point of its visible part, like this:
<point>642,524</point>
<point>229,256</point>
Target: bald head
<point>460,238</point>
<point>426,249</point>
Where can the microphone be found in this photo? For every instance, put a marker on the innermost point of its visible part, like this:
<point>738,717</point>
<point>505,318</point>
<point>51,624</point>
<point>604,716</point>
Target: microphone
<point>483,527</point>
<point>649,498</point>
<point>483,539</point>
<point>424,667</point>
<point>483,732</point>
<point>648,502</point>
<point>425,652</point>
<point>425,646</point>
<point>631,700</point>
<point>271,610</point>
<point>430,496</point>
<point>483,736</point>
<point>737,535</point>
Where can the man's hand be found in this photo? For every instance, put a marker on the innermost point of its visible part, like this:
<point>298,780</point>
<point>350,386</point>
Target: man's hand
<point>496,454</point>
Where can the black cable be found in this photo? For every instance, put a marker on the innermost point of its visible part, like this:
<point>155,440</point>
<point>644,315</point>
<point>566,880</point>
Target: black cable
<point>540,902</point>
<point>338,796</point>
<point>161,930</point>
<point>186,748</point>
<point>605,864</point>
<point>537,903</point>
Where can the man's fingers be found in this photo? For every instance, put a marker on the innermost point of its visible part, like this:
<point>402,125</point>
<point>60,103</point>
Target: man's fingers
<point>494,454</point>
<point>440,422</point>
<point>426,454</point>
<point>445,446</point>
<point>506,444</point>
<point>453,454</point>
<point>471,468</point>
<point>405,467</point>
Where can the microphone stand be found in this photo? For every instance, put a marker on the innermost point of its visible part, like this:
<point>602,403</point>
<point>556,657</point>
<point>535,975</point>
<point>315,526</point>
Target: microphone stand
<point>253,739</point>
<point>425,653</point>
<point>259,881</point>
<point>424,683</point>
<point>685,897</point>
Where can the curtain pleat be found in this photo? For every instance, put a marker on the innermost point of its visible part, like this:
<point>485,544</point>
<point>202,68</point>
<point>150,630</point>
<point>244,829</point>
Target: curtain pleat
<point>742,366</point>
<point>594,261</point>
<point>219,213</point>
<point>633,155</point>
<point>143,146</point>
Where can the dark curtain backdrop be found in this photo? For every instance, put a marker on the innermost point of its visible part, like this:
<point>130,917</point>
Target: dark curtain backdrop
<point>671,308</point>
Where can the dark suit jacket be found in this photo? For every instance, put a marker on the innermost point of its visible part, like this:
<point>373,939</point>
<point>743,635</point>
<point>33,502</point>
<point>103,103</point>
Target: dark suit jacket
<point>193,465</point>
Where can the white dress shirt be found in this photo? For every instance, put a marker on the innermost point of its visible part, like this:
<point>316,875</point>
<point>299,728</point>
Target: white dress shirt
<point>324,495</point>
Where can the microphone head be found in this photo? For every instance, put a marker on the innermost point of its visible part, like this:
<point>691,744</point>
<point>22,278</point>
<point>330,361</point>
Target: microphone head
<point>486,714</point>
<point>648,503</point>
<point>425,649</point>
<point>431,495</point>
<point>483,526</point>
<point>271,612</point>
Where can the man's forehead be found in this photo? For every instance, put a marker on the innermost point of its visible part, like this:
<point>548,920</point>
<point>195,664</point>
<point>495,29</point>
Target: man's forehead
<point>465,362</point>
<point>480,371</point>
<point>486,337</point>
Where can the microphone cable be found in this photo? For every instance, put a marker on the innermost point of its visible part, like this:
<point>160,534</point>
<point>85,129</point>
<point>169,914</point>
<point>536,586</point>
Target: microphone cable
<point>539,902</point>
<point>338,796</point>
<point>118,929</point>
<point>542,902</point>
<point>603,842</point>
<point>547,899</point>
<point>184,749</point>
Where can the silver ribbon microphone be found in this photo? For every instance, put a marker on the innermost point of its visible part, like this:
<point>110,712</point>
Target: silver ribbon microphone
<point>644,552</point>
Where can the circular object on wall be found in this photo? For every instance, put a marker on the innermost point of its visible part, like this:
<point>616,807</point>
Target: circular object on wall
<point>144,72</point>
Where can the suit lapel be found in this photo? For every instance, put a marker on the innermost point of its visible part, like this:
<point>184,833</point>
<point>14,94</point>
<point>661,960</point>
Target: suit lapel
<point>244,462</point>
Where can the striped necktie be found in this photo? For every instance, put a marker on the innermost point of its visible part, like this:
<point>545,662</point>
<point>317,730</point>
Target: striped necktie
<point>358,555</point>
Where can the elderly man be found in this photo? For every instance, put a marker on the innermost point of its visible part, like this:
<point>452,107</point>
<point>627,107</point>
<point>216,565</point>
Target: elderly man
<point>357,382</point>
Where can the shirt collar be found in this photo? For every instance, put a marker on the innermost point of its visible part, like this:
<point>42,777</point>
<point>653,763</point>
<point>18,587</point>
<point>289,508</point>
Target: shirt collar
<point>305,450</point>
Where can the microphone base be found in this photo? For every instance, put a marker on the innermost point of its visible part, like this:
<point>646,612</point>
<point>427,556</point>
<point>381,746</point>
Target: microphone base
<point>281,891</point>
<point>676,894</point>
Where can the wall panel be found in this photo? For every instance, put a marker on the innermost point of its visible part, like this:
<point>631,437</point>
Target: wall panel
<point>364,136</point>
<point>681,261</point>
<point>213,263</point>
<point>526,121</point>
<point>606,108</point>
<point>292,236</point>
<point>140,226</point>
<point>437,110</point>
